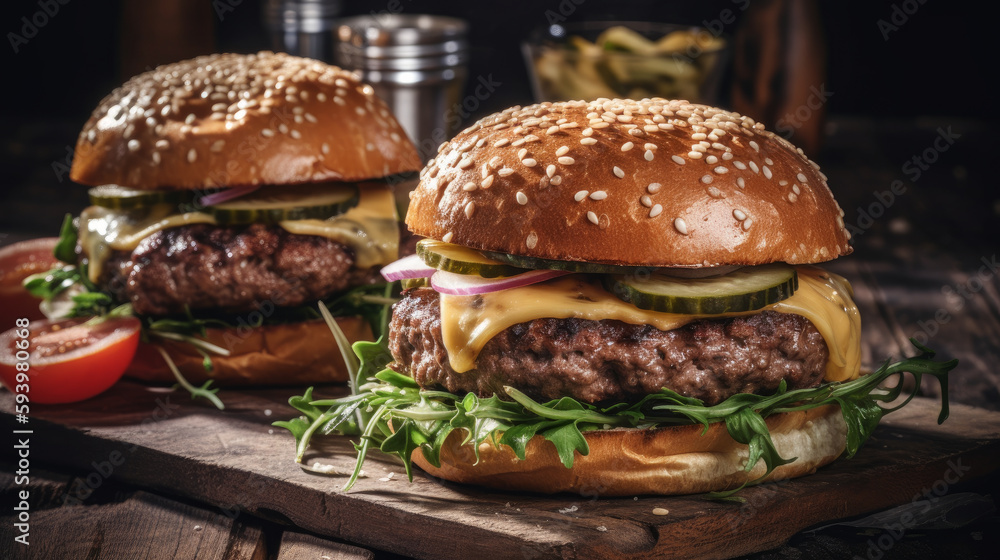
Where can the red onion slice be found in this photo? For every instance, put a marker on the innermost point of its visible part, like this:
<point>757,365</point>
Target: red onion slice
<point>407,267</point>
<point>471,284</point>
<point>227,194</point>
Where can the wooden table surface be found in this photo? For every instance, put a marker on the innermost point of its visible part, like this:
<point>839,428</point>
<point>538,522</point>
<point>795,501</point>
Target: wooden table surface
<point>918,195</point>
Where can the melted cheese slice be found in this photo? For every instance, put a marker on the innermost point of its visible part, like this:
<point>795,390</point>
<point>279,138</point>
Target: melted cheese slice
<point>371,228</point>
<point>469,322</point>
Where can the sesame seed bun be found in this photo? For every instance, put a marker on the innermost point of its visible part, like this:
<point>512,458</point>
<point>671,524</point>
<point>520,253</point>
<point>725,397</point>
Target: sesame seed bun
<point>630,462</point>
<point>645,183</point>
<point>227,120</point>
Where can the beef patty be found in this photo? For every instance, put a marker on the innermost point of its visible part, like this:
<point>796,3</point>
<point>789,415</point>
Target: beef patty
<point>229,268</point>
<point>611,361</point>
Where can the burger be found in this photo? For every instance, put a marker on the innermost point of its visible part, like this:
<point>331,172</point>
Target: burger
<point>231,193</point>
<point>620,297</point>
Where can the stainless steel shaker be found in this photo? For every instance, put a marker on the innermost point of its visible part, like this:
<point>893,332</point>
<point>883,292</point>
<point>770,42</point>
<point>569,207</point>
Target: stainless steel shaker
<point>302,27</point>
<point>417,65</point>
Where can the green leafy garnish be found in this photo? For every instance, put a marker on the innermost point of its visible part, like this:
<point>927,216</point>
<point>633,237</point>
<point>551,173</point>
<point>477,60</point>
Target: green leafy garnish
<point>405,418</point>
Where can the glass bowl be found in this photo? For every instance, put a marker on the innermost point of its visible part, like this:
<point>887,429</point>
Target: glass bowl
<point>629,59</point>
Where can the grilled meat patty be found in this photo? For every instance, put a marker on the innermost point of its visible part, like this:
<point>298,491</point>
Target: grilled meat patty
<point>611,361</point>
<point>232,269</point>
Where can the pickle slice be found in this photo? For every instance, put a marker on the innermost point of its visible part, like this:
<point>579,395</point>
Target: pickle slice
<point>462,260</point>
<point>117,197</point>
<point>746,289</point>
<point>570,266</point>
<point>273,204</point>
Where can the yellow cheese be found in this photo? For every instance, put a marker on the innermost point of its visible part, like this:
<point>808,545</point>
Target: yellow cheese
<point>371,228</point>
<point>469,322</point>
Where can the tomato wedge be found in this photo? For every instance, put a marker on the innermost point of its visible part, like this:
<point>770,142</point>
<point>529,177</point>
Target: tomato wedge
<point>67,360</point>
<point>17,262</point>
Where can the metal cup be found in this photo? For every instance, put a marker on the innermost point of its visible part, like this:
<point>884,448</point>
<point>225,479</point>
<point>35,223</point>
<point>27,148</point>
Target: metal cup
<point>302,27</point>
<point>416,64</point>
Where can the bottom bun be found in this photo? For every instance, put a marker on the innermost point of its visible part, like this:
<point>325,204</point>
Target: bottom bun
<point>628,462</point>
<point>288,354</point>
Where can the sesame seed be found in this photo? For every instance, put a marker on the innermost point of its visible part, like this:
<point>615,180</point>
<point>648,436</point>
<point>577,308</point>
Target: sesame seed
<point>529,162</point>
<point>677,159</point>
<point>711,160</point>
<point>557,180</point>
<point>601,124</point>
<point>650,128</point>
<point>598,195</point>
<point>522,198</point>
<point>727,156</point>
<point>587,131</point>
<point>650,146</point>
<point>192,155</point>
<point>588,141</point>
<point>754,168</point>
<point>189,119</point>
<point>627,146</point>
<point>648,155</point>
<point>706,179</point>
<point>217,145</point>
<point>532,138</point>
<point>580,195</point>
<point>653,188</point>
<point>754,145</point>
<point>618,172</point>
<point>487,182</point>
<point>740,182</point>
<point>802,178</point>
<point>470,208</point>
<point>646,201</point>
<point>283,128</point>
<point>325,147</point>
<point>565,126</point>
<point>679,224</point>
<point>699,136</point>
<point>721,170</point>
<point>694,155</point>
<point>739,214</point>
<point>447,237</point>
<point>563,150</point>
<point>714,192</point>
<point>532,240</point>
<point>768,161</point>
<point>133,145</point>
<point>747,223</point>
<point>657,209</point>
<point>566,160</point>
<point>504,171</point>
<point>739,165</point>
<point>156,161</point>
<point>552,129</point>
<point>468,187</point>
<point>550,170</point>
<point>295,134</point>
<point>593,218</point>
<point>465,163</point>
<point>501,143</point>
<point>767,172</point>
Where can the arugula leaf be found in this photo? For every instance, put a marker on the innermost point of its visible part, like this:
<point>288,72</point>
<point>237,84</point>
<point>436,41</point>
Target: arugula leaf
<point>65,249</point>
<point>423,419</point>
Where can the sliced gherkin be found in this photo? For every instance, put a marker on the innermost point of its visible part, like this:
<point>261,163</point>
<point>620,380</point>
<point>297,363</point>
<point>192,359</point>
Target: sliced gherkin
<point>570,266</point>
<point>273,204</point>
<point>462,260</point>
<point>746,289</point>
<point>117,197</point>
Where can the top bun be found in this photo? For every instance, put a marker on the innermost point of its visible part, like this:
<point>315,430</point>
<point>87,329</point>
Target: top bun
<point>616,181</point>
<point>228,120</point>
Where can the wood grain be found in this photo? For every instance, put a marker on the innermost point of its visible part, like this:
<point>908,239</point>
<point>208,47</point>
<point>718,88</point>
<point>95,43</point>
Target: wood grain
<point>237,464</point>
<point>300,546</point>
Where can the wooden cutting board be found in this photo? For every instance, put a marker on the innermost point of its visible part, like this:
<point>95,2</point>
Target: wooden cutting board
<point>236,463</point>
